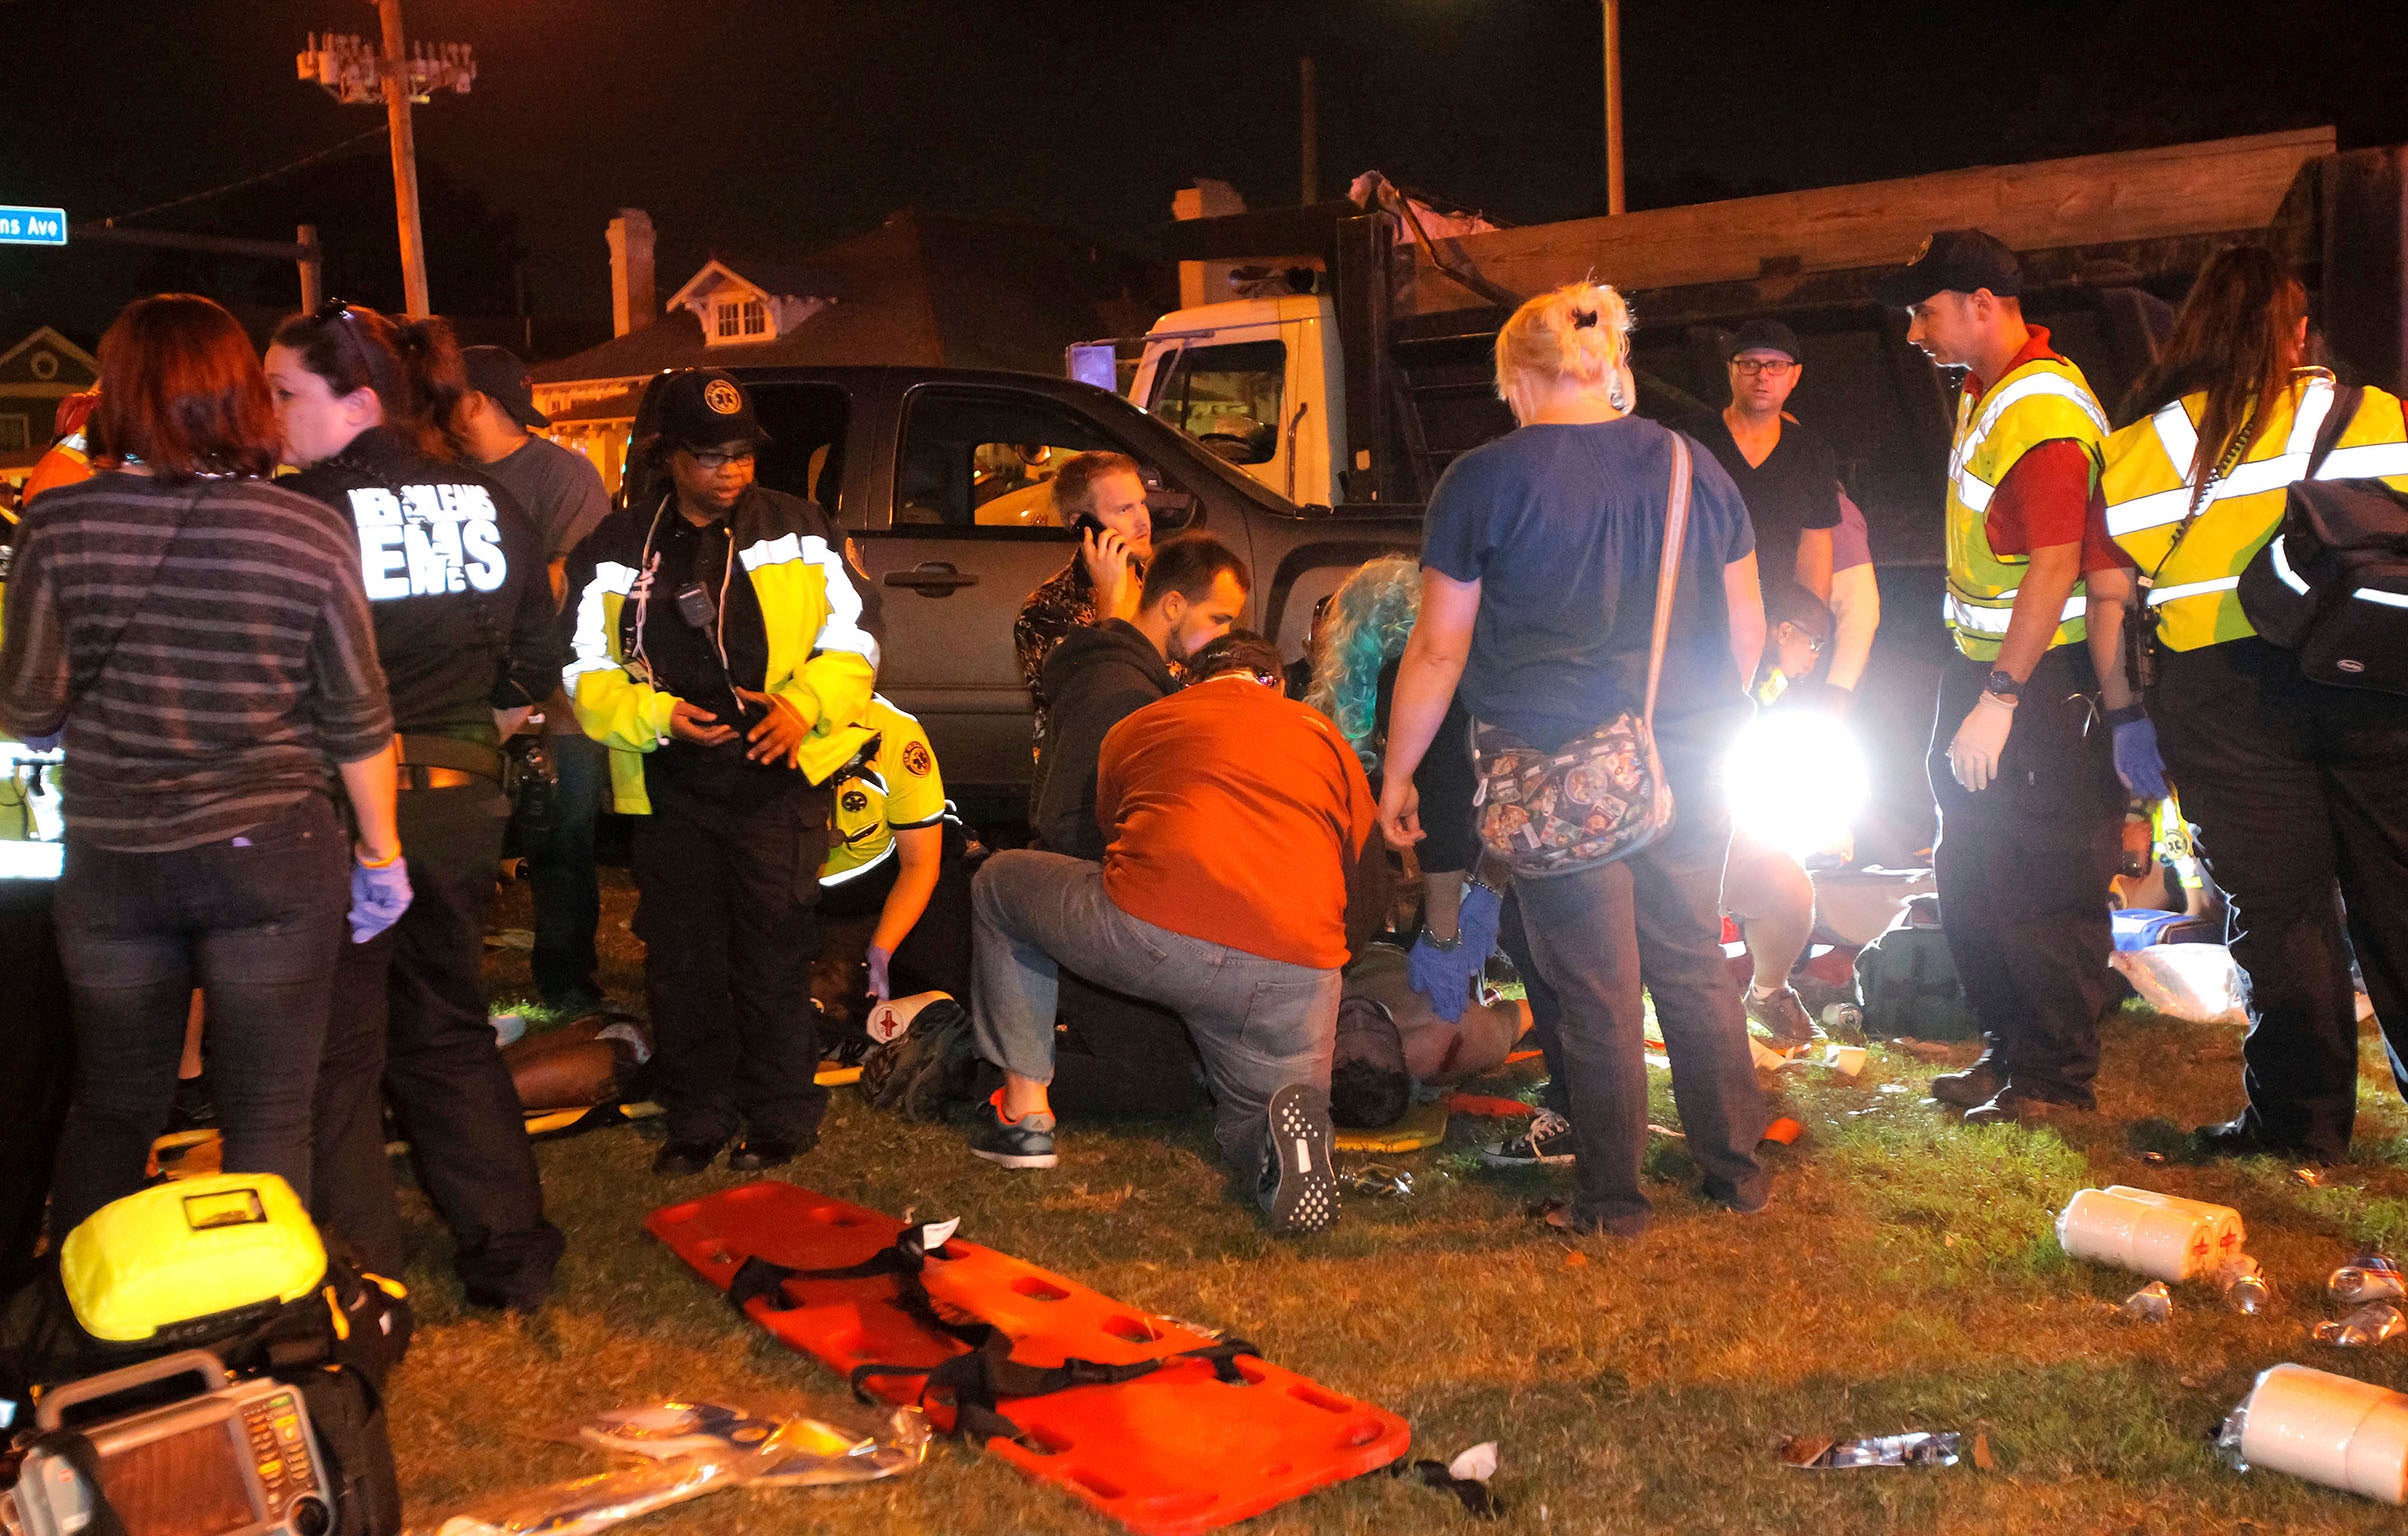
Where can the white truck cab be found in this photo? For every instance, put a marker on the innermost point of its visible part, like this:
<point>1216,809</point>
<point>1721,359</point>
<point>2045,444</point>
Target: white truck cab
<point>1259,382</point>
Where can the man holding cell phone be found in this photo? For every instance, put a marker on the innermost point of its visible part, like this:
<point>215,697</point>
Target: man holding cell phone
<point>724,649</point>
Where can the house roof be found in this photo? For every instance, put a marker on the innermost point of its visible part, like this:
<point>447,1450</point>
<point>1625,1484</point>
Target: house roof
<point>916,291</point>
<point>77,369</point>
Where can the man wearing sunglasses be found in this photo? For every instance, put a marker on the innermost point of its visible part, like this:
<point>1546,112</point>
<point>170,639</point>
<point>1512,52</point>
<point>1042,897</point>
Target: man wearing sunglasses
<point>724,650</point>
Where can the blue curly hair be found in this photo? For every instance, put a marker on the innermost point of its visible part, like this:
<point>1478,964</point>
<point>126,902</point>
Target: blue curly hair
<point>1370,617</point>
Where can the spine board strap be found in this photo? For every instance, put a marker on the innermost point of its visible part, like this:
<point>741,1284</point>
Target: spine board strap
<point>975,1382</point>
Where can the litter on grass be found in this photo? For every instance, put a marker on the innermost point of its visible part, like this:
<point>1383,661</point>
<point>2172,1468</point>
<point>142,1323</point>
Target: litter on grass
<point>2242,1286</point>
<point>2363,1327</point>
<point>2152,1303</point>
<point>1918,1448</point>
<point>2368,1277</point>
<point>2164,1237</point>
<point>2328,1429</point>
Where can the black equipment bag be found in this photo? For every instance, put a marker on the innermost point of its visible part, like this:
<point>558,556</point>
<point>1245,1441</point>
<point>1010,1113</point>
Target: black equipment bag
<point>2332,584</point>
<point>333,1345</point>
<point>1906,982</point>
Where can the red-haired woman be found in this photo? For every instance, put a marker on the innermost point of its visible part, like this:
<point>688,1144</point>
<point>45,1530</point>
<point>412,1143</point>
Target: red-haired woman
<point>203,639</point>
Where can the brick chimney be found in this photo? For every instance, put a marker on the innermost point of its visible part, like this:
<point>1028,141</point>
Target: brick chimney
<point>631,292</point>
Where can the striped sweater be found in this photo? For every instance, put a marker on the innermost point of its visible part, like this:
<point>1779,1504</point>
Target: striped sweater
<point>235,685</point>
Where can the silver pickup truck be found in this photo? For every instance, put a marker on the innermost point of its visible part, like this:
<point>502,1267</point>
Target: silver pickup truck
<point>938,476</point>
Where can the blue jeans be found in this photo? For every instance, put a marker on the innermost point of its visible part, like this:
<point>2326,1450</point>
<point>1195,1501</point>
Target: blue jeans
<point>560,869</point>
<point>1596,940</point>
<point>254,921</point>
<point>1258,1024</point>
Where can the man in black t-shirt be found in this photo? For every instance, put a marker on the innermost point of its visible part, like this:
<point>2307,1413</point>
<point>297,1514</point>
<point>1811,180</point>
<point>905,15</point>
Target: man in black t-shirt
<point>1784,471</point>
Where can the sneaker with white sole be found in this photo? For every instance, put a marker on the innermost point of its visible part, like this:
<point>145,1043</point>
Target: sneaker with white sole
<point>1298,1186</point>
<point>1023,1143</point>
<point>1547,1144</point>
<point>1779,1014</point>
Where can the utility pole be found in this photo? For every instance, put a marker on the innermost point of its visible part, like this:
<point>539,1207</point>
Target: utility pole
<point>1613,106</point>
<point>355,73</point>
<point>1311,122</point>
<point>405,161</point>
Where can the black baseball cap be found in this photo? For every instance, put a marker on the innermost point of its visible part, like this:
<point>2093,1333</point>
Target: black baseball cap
<point>705,407</point>
<point>1953,261</point>
<point>498,375</point>
<point>1764,334</point>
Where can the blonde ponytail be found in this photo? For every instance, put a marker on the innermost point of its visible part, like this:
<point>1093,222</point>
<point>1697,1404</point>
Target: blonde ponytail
<point>1580,334</point>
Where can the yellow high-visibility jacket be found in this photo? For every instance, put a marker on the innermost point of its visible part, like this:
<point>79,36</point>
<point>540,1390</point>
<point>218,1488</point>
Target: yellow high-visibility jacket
<point>822,628</point>
<point>2147,487</point>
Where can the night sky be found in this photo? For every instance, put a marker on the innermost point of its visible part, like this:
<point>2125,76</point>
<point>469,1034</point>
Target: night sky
<point>771,126</point>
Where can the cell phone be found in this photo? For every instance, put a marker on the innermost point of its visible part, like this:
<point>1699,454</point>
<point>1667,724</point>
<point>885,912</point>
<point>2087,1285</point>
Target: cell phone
<point>694,605</point>
<point>1087,523</point>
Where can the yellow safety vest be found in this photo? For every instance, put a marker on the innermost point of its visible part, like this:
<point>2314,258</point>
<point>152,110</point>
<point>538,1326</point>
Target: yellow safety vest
<point>2038,402</point>
<point>2147,485</point>
<point>893,786</point>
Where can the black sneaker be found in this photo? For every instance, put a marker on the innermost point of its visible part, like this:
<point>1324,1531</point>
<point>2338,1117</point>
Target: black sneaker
<point>1023,1143</point>
<point>1547,1144</point>
<point>1297,1188</point>
<point>753,1152</point>
<point>681,1159</point>
<point>1975,1086</point>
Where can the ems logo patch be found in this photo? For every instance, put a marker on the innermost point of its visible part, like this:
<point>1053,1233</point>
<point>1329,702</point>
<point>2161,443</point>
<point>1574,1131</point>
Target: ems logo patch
<point>721,395</point>
<point>428,540</point>
<point>855,802</point>
<point>916,760</point>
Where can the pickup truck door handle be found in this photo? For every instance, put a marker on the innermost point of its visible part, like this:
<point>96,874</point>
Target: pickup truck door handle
<point>932,578</point>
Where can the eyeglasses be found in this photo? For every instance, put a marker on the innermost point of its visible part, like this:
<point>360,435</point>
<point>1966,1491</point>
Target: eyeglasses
<point>1751,366</point>
<point>1814,643</point>
<point>716,461</point>
<point>361,353</point>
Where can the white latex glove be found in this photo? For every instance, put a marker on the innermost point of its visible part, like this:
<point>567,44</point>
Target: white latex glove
<point>1973,752</point>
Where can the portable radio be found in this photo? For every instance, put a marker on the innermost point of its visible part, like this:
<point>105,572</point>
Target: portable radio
<point>236,1459</point>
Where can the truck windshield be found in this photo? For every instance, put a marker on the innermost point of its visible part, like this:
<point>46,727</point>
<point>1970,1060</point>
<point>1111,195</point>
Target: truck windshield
<point>1226,397</point>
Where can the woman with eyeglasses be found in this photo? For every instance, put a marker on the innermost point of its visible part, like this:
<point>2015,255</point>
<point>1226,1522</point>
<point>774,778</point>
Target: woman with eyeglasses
<point>457,584</point>
<point>202,638</point>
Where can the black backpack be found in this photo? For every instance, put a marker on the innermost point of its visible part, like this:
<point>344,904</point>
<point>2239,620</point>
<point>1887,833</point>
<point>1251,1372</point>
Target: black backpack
<point>2332,584</point>
<point>1906,983</point>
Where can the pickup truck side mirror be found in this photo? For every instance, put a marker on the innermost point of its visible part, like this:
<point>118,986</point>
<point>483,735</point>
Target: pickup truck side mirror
<point>1171,511</point>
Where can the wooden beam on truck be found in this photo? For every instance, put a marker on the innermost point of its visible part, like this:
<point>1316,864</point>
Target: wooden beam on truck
<point>2223,186</point>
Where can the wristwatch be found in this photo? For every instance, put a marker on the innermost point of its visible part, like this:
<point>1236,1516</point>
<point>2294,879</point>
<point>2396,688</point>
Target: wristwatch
<point>2002,682</point>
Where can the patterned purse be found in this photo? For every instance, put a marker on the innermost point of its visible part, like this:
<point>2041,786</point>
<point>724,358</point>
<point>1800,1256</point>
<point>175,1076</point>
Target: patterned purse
<point>1599,797</point>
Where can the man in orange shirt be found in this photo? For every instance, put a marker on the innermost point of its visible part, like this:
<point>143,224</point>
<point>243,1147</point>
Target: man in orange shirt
<point>1242,870</point>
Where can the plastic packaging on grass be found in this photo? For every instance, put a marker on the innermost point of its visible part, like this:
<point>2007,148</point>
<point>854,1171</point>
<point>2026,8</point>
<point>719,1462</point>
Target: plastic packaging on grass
<point>2328,1429</point>
<point>2368,1277</point>
<point>2164,1237</point>
<point>1380,1180</point>
<point>584,1505</point>
<point>2363,1327</point>
<point>2197,983</point>
<point>2152,1303</point>
<point>1919,1448</point>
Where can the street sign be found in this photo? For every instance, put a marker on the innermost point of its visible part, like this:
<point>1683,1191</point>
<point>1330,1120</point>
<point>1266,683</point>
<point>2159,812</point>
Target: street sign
<point>32,226</point>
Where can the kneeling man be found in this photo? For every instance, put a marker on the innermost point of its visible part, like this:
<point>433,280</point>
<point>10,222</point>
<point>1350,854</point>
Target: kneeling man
<point>1241,864</point>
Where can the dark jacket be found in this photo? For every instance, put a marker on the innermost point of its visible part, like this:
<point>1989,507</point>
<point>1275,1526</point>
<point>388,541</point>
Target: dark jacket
<point>1097,677</point>
<point>456,583</point>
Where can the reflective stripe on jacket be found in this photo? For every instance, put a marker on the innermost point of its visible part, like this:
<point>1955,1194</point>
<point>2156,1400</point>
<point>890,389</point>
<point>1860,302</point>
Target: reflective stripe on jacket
<point>821,627</point>
<point>2041,401</point>
<point>2147,487</point>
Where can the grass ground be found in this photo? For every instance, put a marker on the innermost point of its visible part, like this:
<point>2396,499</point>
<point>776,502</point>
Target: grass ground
<point>1905,1276</point>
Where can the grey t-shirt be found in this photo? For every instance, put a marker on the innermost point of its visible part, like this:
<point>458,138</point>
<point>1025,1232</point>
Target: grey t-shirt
<point>559,487</point>
<point>563,496</point>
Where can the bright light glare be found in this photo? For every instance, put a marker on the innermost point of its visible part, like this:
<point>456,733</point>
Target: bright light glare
<point>1796,780</point>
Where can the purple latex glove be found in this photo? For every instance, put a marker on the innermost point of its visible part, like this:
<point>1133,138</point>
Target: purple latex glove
<point>49,743</point>
<point>881,987</point>
<point>378,898</point>
<point>1445,976</point>
<point>2137,762</point>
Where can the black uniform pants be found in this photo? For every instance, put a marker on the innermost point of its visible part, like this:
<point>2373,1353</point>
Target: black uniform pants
<point>935,955</point>
<point>2022,869</point>
<point>409,1026</point>
<point>2297,787</point>
<point>725,907</point>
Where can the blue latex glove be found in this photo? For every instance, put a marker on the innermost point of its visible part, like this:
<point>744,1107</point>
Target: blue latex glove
<point>378,898</point>
<point>1445,976</point>
<point>49,743</point>
<point>2136,759</point>
<point>880,960</point>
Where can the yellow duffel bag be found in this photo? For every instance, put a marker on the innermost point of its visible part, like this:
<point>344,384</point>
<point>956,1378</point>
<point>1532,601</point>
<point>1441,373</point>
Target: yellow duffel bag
<point>188,1259</point>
